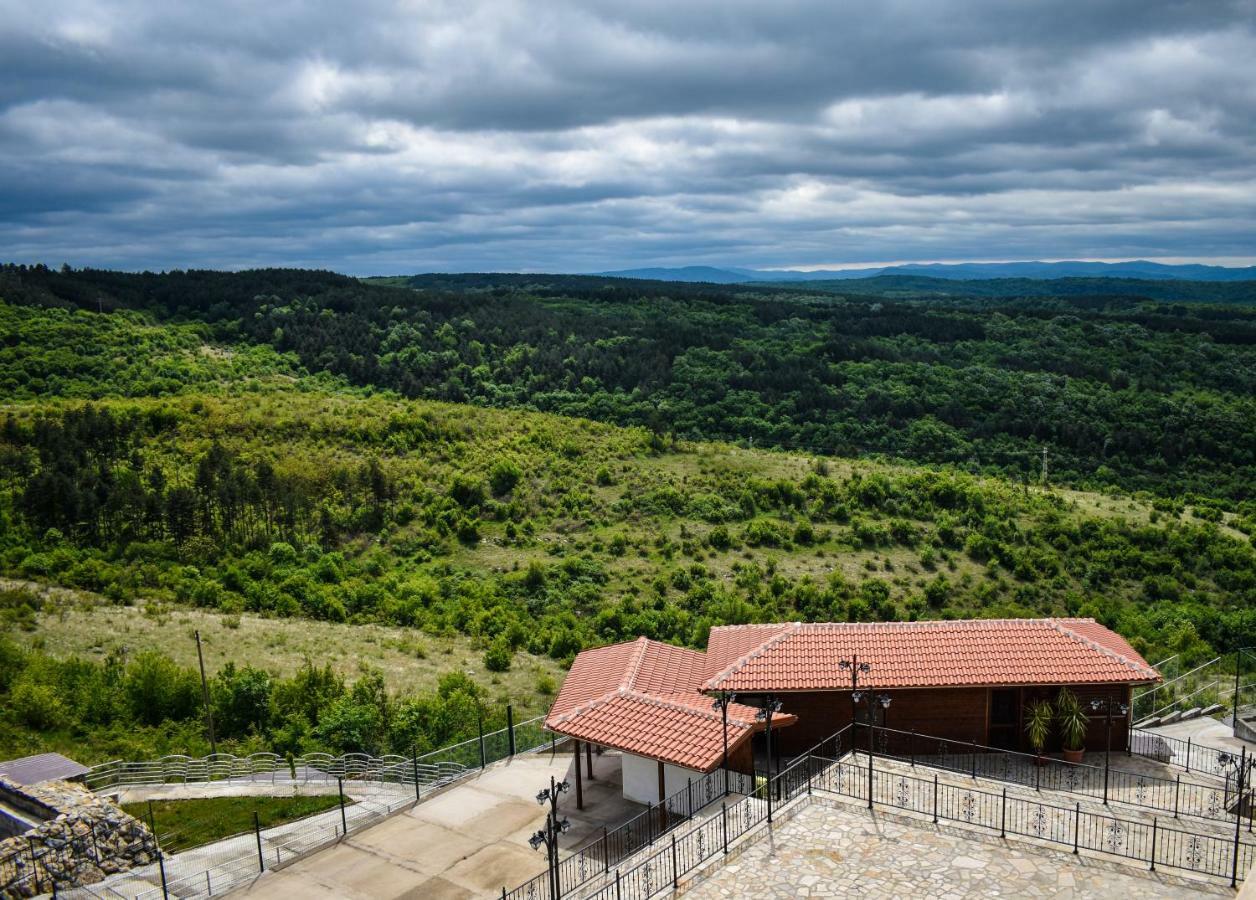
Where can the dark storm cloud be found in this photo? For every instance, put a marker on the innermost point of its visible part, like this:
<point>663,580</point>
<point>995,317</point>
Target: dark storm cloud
<point>570,136</point>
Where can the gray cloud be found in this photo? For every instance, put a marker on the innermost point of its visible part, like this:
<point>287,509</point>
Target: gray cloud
<point>579,135</point>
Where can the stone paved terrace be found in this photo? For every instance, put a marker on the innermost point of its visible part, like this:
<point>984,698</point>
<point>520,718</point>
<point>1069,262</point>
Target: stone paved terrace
<point>830,848</point>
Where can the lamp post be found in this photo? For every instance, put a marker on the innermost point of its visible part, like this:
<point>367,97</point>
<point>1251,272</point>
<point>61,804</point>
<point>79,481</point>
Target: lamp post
<point>855,668</point>
<point>770,706</point>
<point>1241,765</point>
<point>553,828</point>
<point>721,703</point>
<point>1108,705</point>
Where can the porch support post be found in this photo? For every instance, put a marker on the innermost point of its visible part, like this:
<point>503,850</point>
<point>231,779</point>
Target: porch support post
<point>579,781</point>
<point>588,760</point>
<point>662,796</point>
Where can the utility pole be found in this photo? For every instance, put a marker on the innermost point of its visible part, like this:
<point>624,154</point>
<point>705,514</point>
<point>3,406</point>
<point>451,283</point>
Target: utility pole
<point>209,714</point>
<point>1044,466</point>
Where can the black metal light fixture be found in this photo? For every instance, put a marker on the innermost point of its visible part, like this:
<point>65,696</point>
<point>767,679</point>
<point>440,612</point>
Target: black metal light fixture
<point>857,668</point>
<point>721,703</point>
<point>770,707</point>
<point>1241,765</point>
<point>553,828</point>
<point>874,700</point>
<point>1109,706</point>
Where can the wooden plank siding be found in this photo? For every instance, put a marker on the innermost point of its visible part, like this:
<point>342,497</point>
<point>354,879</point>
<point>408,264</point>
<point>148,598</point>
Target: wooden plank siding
<point>958,714</point>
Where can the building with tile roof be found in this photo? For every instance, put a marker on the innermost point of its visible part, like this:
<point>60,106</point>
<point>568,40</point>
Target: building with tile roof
<point>967,680</point>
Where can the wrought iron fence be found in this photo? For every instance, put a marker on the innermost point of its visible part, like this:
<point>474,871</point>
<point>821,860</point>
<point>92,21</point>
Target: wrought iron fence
<point>829,769</point>
<point>643,830</point>
<point>587,872</point>
<point>661,868</point>
<point>1176,796</point>
<point>1155,843</point>
<point>1182,754</point>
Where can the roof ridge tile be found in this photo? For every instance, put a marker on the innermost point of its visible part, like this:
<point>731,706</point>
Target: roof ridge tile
<point>634,667</point>
<point>1120,657</point>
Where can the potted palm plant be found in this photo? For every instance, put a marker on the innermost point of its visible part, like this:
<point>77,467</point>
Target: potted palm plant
<point>1072,720</point>
<point>1038,727</point>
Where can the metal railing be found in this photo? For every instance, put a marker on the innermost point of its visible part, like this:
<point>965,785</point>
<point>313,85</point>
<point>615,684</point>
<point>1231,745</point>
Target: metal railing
<point>432,769</point>
<point>843,774</point>
<point>247,855</point>
<point>1152,842</point>
<point>1153,700</point>
<point>661,867</point>
<point>205,872</point>
<point>1183,754</point>
<point>1178,797</point>
<point>643,830</point>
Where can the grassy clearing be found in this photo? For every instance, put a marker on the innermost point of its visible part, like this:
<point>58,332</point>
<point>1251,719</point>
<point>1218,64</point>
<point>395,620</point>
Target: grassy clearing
<point>82,624</point>
<point>184,824</point>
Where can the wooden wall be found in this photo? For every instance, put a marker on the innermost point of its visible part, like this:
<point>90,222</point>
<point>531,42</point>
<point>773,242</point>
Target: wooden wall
<point>958,714</point>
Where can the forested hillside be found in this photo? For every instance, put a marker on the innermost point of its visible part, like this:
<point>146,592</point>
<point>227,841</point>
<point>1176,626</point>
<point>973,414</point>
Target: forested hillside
<point>175,450</point>
<point>1122,392</point>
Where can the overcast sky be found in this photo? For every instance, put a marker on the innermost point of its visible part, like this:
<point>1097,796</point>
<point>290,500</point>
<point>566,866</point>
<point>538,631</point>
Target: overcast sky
<point>578,136</point>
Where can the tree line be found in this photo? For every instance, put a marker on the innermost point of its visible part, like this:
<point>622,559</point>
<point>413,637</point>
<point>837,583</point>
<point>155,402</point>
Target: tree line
<point>1122,392</point>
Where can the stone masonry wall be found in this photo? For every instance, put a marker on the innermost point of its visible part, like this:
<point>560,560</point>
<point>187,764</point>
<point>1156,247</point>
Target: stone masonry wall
<point>86,839</point>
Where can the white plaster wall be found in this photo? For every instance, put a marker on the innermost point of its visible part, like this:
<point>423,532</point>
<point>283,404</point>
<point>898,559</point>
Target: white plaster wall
<point>641,778</point>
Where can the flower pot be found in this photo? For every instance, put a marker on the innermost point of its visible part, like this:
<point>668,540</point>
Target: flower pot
<point>1073,756</point>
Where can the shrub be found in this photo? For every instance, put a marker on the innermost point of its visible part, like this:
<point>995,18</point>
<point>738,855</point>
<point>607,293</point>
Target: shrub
<point>36,705</point>
<point>497,657</point>
<point>467,492</point>
<point>719,538</point>
<point>503,477</point>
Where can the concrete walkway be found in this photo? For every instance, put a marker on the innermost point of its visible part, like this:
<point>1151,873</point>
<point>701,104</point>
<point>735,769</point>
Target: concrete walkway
<point>1204,732</point>
<point>469,841</point>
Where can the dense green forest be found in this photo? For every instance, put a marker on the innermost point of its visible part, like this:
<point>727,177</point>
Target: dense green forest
<point>276,443</point>
<point>1122,392</point>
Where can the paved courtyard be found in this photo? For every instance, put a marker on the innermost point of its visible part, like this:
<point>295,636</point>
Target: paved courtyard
<point>832,849</point>
<point>468,842</point>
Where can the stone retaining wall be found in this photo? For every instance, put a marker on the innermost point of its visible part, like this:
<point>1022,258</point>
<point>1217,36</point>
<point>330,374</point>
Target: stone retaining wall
<point>85,839</point>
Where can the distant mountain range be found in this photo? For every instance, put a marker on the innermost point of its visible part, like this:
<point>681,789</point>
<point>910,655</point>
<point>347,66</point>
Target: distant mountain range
<point>1139,269</point>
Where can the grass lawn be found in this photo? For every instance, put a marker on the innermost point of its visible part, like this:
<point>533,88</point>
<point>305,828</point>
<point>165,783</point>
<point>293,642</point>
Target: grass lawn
<point>182,824</point>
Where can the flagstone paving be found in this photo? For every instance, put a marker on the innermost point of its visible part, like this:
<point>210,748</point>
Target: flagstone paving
<point>830,849</point>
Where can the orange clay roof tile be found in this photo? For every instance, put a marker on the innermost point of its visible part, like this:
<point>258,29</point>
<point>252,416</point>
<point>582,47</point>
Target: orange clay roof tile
<point>980,652</point>
<point>645,697</point>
